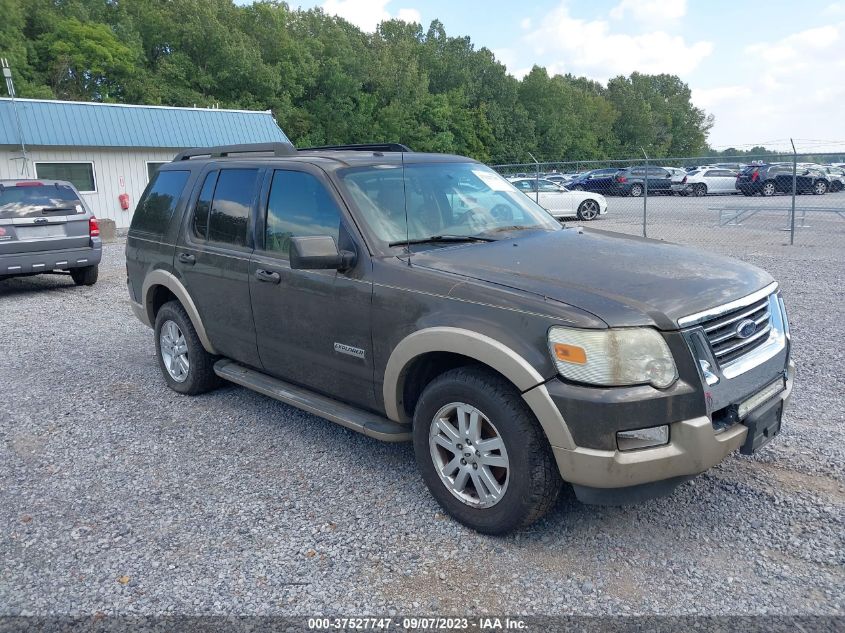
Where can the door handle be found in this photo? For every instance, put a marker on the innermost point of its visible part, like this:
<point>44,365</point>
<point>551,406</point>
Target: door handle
<point>267,276</point>
<point>187,258</point>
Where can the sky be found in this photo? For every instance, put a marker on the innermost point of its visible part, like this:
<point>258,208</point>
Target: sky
<point>768,70</point>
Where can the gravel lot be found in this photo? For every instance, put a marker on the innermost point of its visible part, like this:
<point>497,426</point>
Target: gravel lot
<point>119,496</point>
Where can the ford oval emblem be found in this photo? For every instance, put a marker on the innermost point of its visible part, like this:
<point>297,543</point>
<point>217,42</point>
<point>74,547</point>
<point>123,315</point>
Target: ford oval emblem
<point>746,328</point>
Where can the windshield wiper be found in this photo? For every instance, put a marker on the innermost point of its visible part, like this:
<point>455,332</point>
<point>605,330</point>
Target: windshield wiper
<point>442,238</point>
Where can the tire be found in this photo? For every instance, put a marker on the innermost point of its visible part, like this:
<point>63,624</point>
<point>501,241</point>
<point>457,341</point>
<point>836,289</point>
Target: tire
<point>528,482</point>
<point>588,210</point>
<point>636,191</point>
<point>86,276</point>
<point>768,189</point>
<point>699,190</point>
<point>820,188</point>
<point>196,374</point>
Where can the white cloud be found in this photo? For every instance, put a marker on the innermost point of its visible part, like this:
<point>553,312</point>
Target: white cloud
<point>788,90</point>
<point>837,8</point>
<point>594,48</point>
<point>368,14</point>
<point>525,23</point>
<point>650,11</point>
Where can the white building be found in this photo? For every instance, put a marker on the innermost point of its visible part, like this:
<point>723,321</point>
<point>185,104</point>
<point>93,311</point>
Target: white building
<point>107,150</point>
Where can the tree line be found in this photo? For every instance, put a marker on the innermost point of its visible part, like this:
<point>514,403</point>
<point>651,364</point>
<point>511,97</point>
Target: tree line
<point>329,82</point>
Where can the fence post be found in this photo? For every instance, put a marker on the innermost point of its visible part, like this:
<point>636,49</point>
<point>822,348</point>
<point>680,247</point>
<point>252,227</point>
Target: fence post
<point>794,193</point>
<point>645,195</point>
<point>537,181</point>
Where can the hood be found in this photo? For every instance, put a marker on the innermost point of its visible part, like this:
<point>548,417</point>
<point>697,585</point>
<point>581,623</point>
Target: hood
<point>624,280</point>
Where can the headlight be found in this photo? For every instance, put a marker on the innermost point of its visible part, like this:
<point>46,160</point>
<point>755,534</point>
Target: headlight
<point>614,357</point>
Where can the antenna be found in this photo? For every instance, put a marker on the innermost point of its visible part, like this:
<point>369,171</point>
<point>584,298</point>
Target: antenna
<point>10,86</point>
<point>405,204</point>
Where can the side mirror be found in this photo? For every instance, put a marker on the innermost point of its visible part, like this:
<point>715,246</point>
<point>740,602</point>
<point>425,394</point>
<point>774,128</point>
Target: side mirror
<point>319,252</point>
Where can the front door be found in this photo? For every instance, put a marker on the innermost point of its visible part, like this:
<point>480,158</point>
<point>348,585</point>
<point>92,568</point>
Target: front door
<point>313,326</point>
<point>213,260</point>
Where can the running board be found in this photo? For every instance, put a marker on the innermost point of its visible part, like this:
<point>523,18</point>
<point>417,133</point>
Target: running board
<point>369,424</point>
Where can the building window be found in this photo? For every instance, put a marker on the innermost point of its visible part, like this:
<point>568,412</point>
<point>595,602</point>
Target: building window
<point>152,168</point>
<point>81,175</point>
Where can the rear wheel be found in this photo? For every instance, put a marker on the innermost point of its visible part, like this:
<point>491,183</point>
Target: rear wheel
<point>482,453</point>
<point>768,189</point>
<point>184,363</point>
<point>588,210</point>
<point>636,191</point>
<point>699,190</point>
<point>85,276</point>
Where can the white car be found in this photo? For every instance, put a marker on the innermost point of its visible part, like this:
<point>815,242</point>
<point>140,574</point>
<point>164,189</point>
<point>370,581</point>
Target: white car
<point>710,180</point>
<point>560,201</point>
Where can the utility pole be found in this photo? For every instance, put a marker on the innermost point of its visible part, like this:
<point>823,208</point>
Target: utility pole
<point>10,87</point>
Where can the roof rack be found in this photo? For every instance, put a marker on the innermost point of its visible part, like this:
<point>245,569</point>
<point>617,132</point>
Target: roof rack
<point>361,147</point>
<point>278,149</point>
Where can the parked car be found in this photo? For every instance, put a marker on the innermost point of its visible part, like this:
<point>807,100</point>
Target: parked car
<point>710,180</point>
<point>678,177</point>
<point>45,227</point>
<point>769,179</point>
<point>836,176</point>
<point>632,181</point>
<point>597,180</point>
<point>422,297</point>
<point>561,202</point>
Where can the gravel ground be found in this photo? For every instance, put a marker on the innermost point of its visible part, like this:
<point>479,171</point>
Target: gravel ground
<point>119,496</point>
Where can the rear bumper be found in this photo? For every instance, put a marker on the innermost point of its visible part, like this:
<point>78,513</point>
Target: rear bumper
<point>47,261</point>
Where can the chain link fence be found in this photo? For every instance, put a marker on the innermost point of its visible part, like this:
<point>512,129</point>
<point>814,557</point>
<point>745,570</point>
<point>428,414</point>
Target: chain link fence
<point>722,203</point>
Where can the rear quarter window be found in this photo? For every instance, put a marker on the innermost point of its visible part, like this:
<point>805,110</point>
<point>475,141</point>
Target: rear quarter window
<point>156,207</point>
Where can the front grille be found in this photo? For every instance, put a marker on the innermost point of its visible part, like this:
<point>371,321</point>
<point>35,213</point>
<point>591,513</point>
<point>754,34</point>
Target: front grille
<point>726,343</point>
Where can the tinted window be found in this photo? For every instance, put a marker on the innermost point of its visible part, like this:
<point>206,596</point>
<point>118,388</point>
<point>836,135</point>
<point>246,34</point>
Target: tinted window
<point>233,198</point>
<point>639,171</point>
<point>203,205</point>
<point>33,200</point>
<point>299,206</point>
<point>81,175</point>
<point>156,207</point>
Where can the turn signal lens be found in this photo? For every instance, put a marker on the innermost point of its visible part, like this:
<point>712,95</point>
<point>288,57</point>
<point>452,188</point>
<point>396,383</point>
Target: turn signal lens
<point>570,353</point>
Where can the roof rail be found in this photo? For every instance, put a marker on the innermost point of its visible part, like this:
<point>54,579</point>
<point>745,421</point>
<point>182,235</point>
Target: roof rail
<point>361,147</point>
<point>278,149</point>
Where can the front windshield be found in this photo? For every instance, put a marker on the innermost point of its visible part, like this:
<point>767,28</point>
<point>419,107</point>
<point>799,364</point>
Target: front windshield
<point>454,199</point>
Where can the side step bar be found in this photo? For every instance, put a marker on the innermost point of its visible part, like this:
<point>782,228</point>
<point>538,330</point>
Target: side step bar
<point>369,424</point>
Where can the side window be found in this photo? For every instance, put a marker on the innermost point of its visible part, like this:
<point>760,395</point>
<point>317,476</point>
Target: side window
<point>156,207</point>
<point>233,196</point>
<point>299,206</point>
<point>638,171</point>
<point>203,206</point>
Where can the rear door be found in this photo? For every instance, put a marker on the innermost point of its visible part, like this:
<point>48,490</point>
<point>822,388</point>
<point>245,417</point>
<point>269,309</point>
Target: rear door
<point>41,216</point>
<point>212,258</point>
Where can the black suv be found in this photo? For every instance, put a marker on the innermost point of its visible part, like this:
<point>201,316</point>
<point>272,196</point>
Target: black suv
<point>769,179</point>
<point>422,297</point>
<point>597,181</point>
<point>632,181</point>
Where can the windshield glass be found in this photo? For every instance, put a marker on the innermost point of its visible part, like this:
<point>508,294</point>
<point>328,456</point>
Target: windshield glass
<point>30,200</point>
<point>456,199</point>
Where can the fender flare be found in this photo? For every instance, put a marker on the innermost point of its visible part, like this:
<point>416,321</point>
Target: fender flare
<point>172,283</point>
<point>487,351</point>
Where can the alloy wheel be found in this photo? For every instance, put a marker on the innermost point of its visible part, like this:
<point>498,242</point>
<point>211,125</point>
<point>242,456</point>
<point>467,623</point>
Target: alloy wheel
<point>174,351</point>
<point>589,210</point>
<point>469,455</point>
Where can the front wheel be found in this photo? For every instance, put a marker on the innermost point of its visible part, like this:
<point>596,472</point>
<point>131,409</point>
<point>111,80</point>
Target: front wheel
<point>636,191</point>
<point>186,366</point>
<point>482,453</point>
<point>588,210</point>
<point>820,188</point>
<point>86,276</point>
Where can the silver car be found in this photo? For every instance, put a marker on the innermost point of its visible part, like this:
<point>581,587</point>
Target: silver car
<point>45,227</point>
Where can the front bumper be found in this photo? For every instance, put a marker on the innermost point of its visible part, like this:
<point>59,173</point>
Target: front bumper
<point>694,446</point>
<point>46,261</point>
